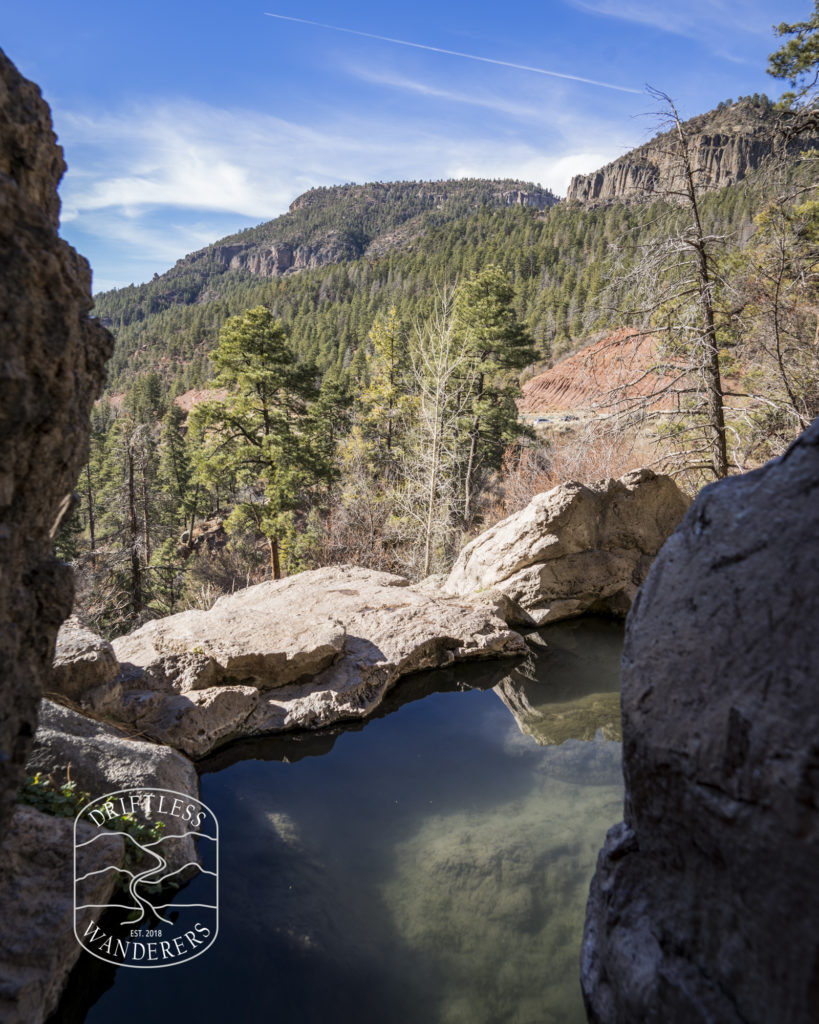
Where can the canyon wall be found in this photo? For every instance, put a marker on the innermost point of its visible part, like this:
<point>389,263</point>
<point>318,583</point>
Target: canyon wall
<point>52,366</point>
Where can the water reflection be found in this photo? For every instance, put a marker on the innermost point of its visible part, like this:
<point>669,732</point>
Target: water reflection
<point>431,865</point>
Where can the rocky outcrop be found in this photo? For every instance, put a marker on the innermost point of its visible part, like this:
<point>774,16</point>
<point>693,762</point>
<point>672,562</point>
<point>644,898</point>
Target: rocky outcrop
<point>574,549</point>
<point>85,665</point>
<point>726,146</point>
<point>303,652</point>
<point>37,943</point>
<point>103,759</point>
<point>706,897</point>
<point>52,368</point>
<point>281,258</point>
<point>618,372</point>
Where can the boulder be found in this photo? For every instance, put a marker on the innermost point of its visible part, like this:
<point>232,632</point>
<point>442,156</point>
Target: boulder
<point>574,549</point>
<point>302,652</point>
<point>52,358</point>
<point>705,900</point>
<point>102,759</point>
<point>37,943</point>
<point>85,665</point>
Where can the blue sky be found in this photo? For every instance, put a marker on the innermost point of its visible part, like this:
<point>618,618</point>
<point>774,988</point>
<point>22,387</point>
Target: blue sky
<point>183,122</point>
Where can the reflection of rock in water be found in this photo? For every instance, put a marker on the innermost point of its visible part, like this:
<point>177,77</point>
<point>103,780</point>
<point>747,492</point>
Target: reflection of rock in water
<point>495,899</point>
<point>557,722</point>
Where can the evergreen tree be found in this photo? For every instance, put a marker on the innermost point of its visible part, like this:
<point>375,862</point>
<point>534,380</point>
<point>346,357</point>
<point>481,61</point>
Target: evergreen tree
<point>498,347</point>
<point>261,434</point>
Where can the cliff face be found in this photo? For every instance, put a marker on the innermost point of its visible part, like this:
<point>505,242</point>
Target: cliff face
<point>346,222</point>
<point>727,145</point>
<point>705,900</point>
<point>281,258</point>
<point>51,370</point>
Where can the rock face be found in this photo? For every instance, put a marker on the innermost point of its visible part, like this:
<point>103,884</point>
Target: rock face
<point>37,943</point>
<point>83,661</point>
<point>574,549</point>
<point>51,369</point>
<point>705,900</point>
<point>302,652</point>
<point>727,146</point>
<point>102,759</point>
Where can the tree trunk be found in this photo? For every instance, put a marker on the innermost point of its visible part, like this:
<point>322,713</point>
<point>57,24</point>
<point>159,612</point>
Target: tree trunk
<point>275,567</point>
<point>435,464</point>
<point>133,528</point>
<point>145,524</point>
<point>91,523</point>
<point>713,383</point>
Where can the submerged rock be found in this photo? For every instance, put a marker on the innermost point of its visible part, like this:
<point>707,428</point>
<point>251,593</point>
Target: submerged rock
<point>705,900</point>
<point>302,652</point>
<point>52,368</point>
<point>492,897</point>
<point>37,943</point>
<point>574,549</point>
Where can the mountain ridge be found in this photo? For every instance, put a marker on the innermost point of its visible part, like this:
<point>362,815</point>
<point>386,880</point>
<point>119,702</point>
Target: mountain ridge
<point>729,143</point>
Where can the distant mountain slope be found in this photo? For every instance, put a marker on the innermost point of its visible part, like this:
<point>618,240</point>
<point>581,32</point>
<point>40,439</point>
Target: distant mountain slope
<point>341,257</point>
<point>730,143</point>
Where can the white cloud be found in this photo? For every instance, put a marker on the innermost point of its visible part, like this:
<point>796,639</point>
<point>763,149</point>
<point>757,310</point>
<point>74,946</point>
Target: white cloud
<point>153,183</point>
<point>695,18</point>
<point>487,101</point>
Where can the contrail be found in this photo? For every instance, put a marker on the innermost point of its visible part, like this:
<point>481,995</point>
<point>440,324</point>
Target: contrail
<point>455,53</point>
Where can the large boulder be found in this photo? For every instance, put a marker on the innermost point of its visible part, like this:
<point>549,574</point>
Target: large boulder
<point>52,358</point>
<point>302,652</point>
<point>705,901</point>
<point>37,943</point>
<point>103,759</point>
<point>574,549</point>
<point>85,665</point>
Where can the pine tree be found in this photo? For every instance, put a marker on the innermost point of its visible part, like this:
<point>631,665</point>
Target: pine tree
<point>498,346</point>
<point>260,434</point>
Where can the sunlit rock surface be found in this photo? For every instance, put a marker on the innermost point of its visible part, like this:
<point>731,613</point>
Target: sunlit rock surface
<point>574,549</point>
<point>303,652</point>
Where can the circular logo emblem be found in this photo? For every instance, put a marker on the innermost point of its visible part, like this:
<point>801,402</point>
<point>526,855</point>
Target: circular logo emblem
<point>146,877</point>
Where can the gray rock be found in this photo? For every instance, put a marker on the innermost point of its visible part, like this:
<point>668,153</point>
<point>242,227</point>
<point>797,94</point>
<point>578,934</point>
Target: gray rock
<point>574,549</point>
<point>725,145</point>
<point>37,943</point>
<point>102,759</point>
<point>705,900</point>
<point>302,652</point>
<point>83,661</point>
<point>52,358</point>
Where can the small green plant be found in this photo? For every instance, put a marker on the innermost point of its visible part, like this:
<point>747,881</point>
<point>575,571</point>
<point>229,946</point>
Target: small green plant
<point>66,800</point>
<point>61,800</point>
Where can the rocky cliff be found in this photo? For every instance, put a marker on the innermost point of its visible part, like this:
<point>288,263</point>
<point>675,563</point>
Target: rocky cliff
<point>727,145</point>
<point>51,370</point>
<point>706,896</point>
<point>346,222</point>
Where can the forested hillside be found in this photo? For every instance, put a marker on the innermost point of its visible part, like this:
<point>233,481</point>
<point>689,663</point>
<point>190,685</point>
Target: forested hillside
<point>358,361</point>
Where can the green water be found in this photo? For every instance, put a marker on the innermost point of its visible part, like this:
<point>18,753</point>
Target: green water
<point>429,865</point>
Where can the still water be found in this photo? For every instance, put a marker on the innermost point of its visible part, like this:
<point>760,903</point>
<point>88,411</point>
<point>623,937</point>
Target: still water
<point>429,865</point>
